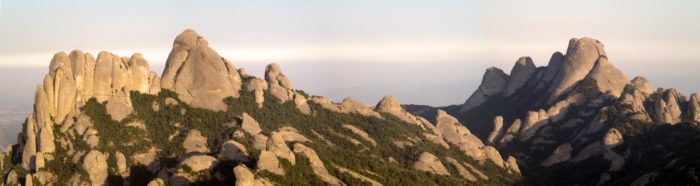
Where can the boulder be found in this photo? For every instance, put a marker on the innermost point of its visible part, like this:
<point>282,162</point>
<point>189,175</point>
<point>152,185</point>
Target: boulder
<point>243,175</point>
<point>612,138</point>
<point>95,164</point>
<point>301,103</point>
<point>118,108</point>
<point>642,84</point>
<point>277,146</point>
<point>279,85</point>
<point>198,74</point>
<point>429,163</point>
<point>234,151</point>
<point>258,87</point>
<point>519,75</point>
<point>493,83</point>
<point>199,163</point>
<point>267,161</point>
<point>122,169</point>
<point>195,142</point>
<point>316,164</point>
<point>249,124</point>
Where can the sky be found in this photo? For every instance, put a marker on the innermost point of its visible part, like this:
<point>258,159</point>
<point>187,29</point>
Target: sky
<point>423,52</point>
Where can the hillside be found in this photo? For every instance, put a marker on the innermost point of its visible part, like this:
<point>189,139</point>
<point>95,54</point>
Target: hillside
<point>581,121</point>
<point>109,120</point>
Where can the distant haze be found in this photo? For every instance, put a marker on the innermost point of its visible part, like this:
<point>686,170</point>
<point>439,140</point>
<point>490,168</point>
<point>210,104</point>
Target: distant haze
<point>429,52</point>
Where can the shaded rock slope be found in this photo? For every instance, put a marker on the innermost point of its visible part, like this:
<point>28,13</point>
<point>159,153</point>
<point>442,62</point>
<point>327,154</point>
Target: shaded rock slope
<point>110,121</point>
<point>581,121</point>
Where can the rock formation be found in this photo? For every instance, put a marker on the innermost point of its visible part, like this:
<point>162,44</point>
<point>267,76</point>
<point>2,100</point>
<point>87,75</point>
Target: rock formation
<point>580,58</point>
<point>198,74</point>
<point>520,74</point>
<point>493,83</point>
<point>694,108</point>
<point>497,126</point>
<point>316,164</point>
<point>429,163</point>
<point>608,78</point>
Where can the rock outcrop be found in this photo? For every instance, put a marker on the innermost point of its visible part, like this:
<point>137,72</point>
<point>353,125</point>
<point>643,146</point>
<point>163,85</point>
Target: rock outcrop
<point>580,59</point>
<point>667,107</point>
<point>493,83</point>
<point>267,161</point>
<point>694,108</point>
<point>454,132</point>
<point>278,83</point>
<point>429,163</point>
<point>198,74</point>
<point>391,105</point>
<point>642,84</point>
<point>95,163</point>
<point>195,142</point>
<point>277,146</point>
<point>608,78</point>
<point>316,164</point>
<point>234,151</point>
<point>519,75</point>
<point>561,154</point>
<point>497,129</point>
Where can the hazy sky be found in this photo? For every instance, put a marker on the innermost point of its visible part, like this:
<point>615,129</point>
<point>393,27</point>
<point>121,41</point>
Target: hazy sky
<point>426,52</point>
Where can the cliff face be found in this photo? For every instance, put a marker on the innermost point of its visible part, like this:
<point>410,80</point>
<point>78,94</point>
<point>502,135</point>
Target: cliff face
<point>110,120</point>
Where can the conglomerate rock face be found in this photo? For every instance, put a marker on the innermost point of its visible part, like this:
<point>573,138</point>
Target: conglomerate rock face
<point>198,74</point>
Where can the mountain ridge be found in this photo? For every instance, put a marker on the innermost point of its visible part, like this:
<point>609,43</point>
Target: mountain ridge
<point>110,120</point>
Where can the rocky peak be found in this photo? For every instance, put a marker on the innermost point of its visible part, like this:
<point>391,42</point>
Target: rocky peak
<point>279,85</point>
<point>389,104</point>
<point>493,83</point>
<point>608,78</point>
<point>198,74</point>
<point>580,59</point>
<point>667,106</point>
<point>520,74</point>
<point>554,65</point>
<point>642,84</point>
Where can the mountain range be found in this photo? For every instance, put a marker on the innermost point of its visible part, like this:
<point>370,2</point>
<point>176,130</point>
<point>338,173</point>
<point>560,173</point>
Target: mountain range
<point>579,120</point>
